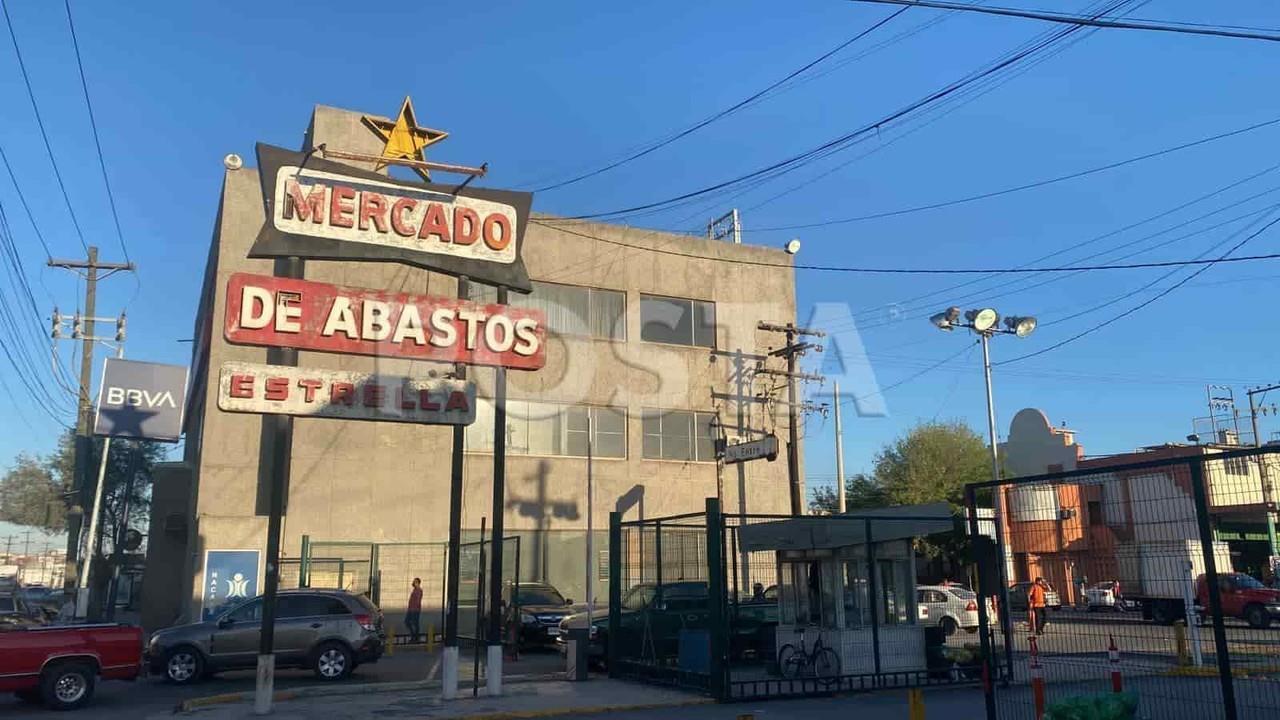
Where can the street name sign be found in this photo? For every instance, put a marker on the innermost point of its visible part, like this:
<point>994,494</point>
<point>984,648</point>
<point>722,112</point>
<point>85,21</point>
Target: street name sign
<point>307,315</point>
<point>320,209</point>
<point>766,447</point>
<point>141,400</point>
<point>258,388</point>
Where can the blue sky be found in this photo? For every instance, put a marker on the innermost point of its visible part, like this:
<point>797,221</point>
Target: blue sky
<point>542,90</point>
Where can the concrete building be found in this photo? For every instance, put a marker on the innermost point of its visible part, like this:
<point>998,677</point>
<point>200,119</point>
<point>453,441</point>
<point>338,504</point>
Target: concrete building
<point>645,334</point>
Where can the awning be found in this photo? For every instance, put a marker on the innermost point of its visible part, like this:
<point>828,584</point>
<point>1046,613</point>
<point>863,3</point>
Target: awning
<point>836,531</point>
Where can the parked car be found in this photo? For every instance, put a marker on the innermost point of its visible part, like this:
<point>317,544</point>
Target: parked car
<point>16,607</point>
<point>541,609</point>
<point>62,665</point>
<point>951,607</point>
<point>1018,597</point>
<point>1103,596</point>
<point>656,614</point>
<point>327,631</point>
<point>1242,597</point>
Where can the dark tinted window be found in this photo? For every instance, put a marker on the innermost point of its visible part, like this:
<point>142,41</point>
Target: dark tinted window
<point>540,596</point>
<point>250,611</point>
<point>7,604</point>
<point>292,606</point>
<point>677,321</point>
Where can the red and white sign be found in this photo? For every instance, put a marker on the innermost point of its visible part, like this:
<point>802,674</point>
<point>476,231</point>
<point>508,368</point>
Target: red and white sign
<point>284,312</point>
<point>340,207</point>
<point>280,390</point>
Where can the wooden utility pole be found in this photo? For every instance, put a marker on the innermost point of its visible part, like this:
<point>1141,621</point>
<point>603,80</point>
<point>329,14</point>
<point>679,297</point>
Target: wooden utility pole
<point>791,351</point>
<point>84,414</point>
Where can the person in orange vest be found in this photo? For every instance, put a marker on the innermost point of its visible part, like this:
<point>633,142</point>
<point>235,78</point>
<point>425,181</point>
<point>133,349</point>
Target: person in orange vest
<point>1036,606</point>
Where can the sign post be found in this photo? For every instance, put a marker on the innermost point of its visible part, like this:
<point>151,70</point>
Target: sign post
<point>449,677</point>
<point>494,646</point>
<point>277,430</point>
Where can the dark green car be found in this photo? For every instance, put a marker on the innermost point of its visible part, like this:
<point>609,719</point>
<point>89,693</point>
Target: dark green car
<point>653,617</point>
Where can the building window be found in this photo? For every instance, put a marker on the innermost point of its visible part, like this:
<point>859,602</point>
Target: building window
<point>570,309</point>
<point>679,435</point>
<point>677,321</point>
<point>1237,466</point>
<point>539,428</point>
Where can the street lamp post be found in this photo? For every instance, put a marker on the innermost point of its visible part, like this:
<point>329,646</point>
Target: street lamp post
<point>985,323</point>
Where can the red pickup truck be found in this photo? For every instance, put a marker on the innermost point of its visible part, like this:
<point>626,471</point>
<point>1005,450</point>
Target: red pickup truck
<point>1243,597</point>
<point>61,664</point>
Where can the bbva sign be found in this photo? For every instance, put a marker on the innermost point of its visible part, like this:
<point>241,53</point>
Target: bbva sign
<point>141,400</point>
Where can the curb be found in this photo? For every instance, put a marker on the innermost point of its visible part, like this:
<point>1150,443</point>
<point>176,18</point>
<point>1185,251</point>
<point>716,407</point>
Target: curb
<point>335,690</point>
<point>581,710</point>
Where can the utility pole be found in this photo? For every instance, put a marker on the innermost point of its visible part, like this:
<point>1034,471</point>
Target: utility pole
<point>840,499</point>
<point>791,351</point>
<point>84,416</point>
<point>1268,499</point>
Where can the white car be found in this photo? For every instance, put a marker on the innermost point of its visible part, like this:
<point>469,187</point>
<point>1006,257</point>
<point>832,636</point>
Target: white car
<point>952,607</point>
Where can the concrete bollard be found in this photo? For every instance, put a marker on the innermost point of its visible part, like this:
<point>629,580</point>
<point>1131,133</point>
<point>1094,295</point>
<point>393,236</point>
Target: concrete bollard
<point>1037,680</point>
<point>915,704</point>
<point>1113,656</point>
<point>1180,643</point>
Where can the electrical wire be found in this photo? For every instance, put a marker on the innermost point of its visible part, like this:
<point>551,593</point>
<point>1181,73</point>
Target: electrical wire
<point>830,147</point>
<point>23,200</point>
<point>1026,186</point>
<point>1163,293</point>
<point>1053,44</point>
<point>1076,20</point>
<point>93,124</point>
<point>722,113</point>
<point>4,7</point>
<point>1099,238</point>
<point>916,271</point>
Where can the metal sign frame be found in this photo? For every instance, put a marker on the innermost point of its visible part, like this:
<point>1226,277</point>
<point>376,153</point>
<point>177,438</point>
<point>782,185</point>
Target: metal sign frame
<point>272,242</point>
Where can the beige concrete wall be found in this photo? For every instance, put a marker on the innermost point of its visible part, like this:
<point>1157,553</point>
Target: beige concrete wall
<point>390,481</point>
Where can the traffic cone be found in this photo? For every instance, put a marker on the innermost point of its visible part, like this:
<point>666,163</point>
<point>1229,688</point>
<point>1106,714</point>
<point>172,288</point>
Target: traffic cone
<point>1037,680</point>
<point>1113,655</point>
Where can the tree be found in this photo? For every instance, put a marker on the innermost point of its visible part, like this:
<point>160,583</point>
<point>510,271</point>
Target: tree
<point>33,491</point>
<point>860,491</point>
<point>30,494</point>
<point>932,462</point>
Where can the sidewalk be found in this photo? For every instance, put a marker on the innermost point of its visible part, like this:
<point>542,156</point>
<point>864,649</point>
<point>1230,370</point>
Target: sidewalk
<point>520,700</point>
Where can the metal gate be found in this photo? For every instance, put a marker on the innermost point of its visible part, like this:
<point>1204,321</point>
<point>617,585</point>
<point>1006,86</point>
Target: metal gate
<point>719,603</point>
<point>1145,599</point>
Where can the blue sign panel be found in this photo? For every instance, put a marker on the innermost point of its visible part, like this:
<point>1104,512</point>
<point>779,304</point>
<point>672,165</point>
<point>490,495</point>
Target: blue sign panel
<point>230,577</point>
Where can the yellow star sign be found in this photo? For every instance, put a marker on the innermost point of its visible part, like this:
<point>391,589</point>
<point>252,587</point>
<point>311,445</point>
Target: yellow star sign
<point>405,139</point>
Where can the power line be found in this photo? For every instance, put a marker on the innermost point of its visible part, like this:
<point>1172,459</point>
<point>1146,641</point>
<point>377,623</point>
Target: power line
<point>916,271</point>
<point>1046,41</point>
<point>1139,306</point>
<point>93,123</point>
<point>23,200</point>
<point>722,113</point>
<point>1027,186</point>
<point>1111,233</point>
<point>26,79</point>
<point>1153,25</point>
<point>828,148</point>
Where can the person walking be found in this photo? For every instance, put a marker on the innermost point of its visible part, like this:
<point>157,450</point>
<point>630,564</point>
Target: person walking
<point>1036,606</point>
<point>413,612</point>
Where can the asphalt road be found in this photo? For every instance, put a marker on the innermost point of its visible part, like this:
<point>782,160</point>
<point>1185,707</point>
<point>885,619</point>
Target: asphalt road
<point>125,701</point>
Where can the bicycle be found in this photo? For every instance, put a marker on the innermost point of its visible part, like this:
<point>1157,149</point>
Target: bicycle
<point>822,662</point>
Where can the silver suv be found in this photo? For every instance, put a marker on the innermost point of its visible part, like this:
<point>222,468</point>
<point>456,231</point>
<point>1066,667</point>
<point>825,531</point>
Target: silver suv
<point>328,631</point>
